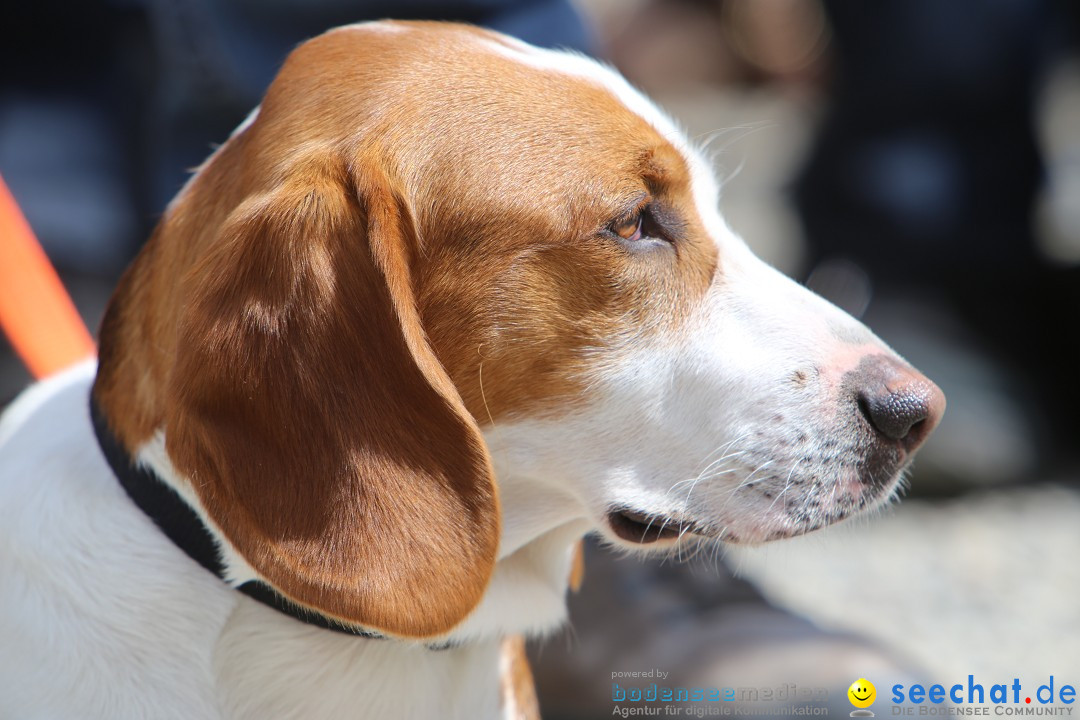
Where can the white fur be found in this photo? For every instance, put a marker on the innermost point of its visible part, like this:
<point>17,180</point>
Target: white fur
<point>246,122</point>
<point>102,617</point>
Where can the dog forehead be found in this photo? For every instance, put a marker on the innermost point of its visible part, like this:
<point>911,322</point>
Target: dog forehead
<point>664,142</point>
<point>459,112</point>
<point>459,50</point>
<point>444,87</point>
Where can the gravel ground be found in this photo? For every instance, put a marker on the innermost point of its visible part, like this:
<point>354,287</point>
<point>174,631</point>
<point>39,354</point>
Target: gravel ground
<point>986,584</point>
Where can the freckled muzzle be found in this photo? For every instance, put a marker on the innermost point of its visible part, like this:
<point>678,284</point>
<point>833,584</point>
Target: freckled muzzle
<point>887,410</point>
<point>883,411</point>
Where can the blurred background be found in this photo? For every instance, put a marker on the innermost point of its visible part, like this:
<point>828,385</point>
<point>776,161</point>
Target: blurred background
<point>917,162</point>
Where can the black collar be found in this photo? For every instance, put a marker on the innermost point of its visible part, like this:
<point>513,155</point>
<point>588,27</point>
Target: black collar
<point>182,525</point>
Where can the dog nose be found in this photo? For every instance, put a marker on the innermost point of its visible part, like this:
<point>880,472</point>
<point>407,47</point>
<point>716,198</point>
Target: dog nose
<point>898,401</point>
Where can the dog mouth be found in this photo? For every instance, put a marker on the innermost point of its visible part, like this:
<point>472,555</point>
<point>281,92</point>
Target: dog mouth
<point>778,514</point>
<point>643,528</point>
<point>831,486</point>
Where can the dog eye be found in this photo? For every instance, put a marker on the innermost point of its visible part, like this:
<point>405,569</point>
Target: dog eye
<point>628,229</point>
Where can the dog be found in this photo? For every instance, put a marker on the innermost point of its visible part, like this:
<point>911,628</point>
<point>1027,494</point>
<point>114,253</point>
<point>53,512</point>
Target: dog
<point>444,304</point>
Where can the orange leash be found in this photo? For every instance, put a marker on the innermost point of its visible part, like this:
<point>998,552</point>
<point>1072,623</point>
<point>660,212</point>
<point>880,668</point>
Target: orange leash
<point>36,313</point>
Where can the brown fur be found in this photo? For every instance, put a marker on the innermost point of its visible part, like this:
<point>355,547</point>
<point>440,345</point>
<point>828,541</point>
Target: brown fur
<point>398,248</point>
<point>577,567</point>
<point>518,689</point>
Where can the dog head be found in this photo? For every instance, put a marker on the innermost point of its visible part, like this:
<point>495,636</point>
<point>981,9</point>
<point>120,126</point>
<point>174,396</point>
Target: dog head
<point>436,256</point>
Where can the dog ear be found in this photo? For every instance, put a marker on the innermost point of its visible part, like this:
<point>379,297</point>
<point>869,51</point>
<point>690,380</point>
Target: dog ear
<point>316,425</point>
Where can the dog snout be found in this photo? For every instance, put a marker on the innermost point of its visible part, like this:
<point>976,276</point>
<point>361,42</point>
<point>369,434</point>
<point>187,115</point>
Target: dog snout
<point>900,403</point>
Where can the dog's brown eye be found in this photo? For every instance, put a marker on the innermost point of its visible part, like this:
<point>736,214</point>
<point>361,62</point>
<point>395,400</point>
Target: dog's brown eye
<point>628,229</point>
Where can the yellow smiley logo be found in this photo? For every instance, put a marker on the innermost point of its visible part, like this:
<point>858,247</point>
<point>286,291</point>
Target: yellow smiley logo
<point>862,693</point>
